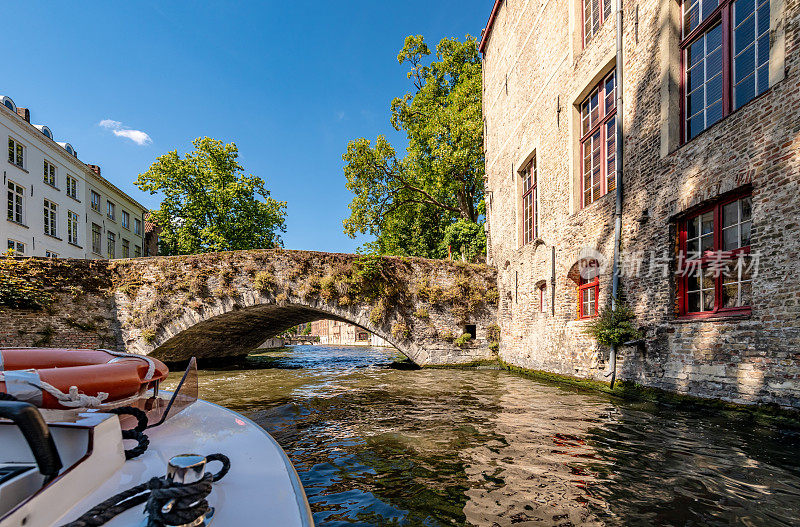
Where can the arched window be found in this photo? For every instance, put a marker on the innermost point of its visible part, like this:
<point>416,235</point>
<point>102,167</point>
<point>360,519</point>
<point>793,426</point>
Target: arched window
<point>45,130</point>
<point>8,103</point>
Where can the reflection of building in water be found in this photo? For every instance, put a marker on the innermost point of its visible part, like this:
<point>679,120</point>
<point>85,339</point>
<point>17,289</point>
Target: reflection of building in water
<point>336,332</point>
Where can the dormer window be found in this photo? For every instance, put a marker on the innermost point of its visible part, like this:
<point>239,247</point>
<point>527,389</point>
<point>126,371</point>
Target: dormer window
<point>8,103</point>
<point>68,147</point>
<point>45,130</point>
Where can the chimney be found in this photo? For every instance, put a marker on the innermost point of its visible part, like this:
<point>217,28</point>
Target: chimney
<point>94,168</point>
<point>24,113</point>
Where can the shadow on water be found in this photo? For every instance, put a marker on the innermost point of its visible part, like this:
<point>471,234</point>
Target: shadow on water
<point>375,444</point>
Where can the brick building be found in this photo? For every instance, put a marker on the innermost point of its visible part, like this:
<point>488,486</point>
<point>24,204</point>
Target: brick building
<point>152,231</point>
<point>342,333</point>
<point>711,128</point>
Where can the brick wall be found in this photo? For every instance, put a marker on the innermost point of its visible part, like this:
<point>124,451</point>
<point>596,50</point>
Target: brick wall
<point>535,73</point>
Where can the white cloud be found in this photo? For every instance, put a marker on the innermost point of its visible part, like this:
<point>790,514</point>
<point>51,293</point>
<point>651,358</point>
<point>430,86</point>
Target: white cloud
<point>116,127</point>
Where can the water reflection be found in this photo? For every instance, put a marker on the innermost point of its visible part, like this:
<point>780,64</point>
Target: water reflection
<point>381,446</point>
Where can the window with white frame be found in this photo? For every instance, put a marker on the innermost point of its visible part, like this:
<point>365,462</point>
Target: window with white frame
<point>16,197</point>
<point>49,173</point>
<point>137,226</point>
<point>72,227</point>
<point>110,210</point>
<point>16,248</point>
<point>126,220</point>
<point>112,245</point>
<point>50,254</point>
<point>95,201</point>
<point>97,238</point>
<point>50,218</point>
<point>529,202</point>
<point>16,153</point>
<point>72,187</point>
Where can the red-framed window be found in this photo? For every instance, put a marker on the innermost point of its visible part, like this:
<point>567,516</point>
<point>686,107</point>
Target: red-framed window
<point>529,202</point>
<point>588,291</point>
<point>595,13</point>
<point>725,56</point>
<point>598,140</point>
<point>715,267</point>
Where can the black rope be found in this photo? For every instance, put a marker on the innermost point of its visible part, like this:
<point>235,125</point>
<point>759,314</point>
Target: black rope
<point>141,417</point>
<point>226,465</point>
<point>136,433</point>
<point>189,500</point>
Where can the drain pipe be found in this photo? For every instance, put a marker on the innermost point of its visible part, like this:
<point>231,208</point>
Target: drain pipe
<point>618,184</point>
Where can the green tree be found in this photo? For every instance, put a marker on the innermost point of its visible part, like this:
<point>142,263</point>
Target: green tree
<point>210,204</point>
<point>408,203</point>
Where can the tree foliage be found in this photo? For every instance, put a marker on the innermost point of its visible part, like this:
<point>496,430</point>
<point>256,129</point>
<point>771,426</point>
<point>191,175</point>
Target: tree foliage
<point>209,203</point>
<point>408,203</point>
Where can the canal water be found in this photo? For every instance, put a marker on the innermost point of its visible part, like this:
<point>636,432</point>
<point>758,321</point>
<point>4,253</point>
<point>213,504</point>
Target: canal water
<point>375,444</point>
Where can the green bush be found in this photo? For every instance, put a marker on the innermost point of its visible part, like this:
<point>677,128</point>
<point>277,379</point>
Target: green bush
<point>614,327</point>
<point>463,340</point>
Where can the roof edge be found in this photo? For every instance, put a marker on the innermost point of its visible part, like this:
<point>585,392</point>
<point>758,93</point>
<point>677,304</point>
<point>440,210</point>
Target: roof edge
<point>488,30</point>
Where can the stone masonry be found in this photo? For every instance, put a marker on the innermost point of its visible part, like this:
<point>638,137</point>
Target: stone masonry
<point>226,304</point>
<point>537,71</point>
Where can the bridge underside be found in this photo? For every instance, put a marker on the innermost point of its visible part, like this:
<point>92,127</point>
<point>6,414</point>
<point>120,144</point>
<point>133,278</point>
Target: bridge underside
<point>237,333</point>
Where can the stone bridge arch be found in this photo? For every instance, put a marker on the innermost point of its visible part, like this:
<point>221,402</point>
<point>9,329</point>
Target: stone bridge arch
<point>230,329</point>
<point>226,304</point>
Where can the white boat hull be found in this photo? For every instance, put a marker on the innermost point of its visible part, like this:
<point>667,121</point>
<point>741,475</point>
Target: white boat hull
<point>262,487</point>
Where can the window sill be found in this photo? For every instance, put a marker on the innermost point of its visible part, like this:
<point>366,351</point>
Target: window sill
<point>51,186</point>
<point>17,223</point>
<point>74,198</point>
<point>75,245</point>
<point>97,254</point>
<point>112,220</point>
<point>54,237</point>
<point>19,167</point>
<point>738,314</point>
<point>94,210</point>
<point>595,202</point>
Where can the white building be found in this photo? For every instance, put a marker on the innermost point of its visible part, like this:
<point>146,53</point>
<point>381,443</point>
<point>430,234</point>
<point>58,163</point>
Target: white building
<point>57,206</point>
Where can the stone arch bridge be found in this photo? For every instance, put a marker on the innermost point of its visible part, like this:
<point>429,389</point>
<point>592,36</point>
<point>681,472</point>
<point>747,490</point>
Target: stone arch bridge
<point>225,304</point>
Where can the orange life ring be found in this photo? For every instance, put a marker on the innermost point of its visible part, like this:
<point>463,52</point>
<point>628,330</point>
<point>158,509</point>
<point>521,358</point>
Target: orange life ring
<point>93,372</point>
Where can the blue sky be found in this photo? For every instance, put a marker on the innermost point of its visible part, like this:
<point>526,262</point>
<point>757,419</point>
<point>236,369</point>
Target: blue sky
<point>289,82</point>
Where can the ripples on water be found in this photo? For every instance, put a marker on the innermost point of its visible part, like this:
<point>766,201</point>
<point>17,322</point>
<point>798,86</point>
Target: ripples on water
<point>375,445</point>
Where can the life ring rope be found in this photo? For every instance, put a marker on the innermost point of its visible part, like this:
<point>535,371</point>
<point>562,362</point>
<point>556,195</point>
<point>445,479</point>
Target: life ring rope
<point>151,366</point>
<point>73,399</point>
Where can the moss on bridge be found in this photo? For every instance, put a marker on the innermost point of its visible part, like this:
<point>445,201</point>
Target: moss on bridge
<point>412,301</point>
<point>390,285</point>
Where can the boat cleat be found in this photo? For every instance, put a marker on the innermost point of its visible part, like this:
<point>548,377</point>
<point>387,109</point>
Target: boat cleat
<point>185,469</point>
